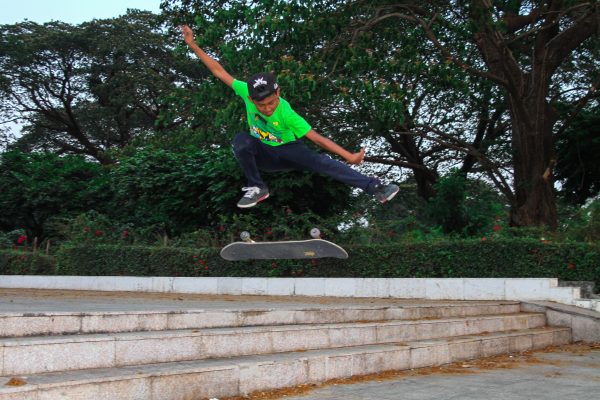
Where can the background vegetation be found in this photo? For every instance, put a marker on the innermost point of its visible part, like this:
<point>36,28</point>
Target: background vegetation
<point>486,115</point>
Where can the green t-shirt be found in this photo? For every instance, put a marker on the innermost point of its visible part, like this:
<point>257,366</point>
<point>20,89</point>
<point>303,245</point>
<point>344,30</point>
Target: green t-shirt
<point>282,127</point>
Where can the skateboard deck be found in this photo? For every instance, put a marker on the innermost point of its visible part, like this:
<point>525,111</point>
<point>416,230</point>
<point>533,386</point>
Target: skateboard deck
<point>295,249</point>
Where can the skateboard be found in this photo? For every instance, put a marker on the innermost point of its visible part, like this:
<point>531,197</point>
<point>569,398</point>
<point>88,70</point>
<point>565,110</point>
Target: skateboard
<point>248,249</point>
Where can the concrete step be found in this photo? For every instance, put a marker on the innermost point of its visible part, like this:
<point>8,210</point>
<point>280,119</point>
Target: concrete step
<point>41,354</point>
<point>242,375</point>
<point>64,323</point>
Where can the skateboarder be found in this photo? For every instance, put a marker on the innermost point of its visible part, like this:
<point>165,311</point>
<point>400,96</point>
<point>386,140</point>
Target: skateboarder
<point>272,143</point>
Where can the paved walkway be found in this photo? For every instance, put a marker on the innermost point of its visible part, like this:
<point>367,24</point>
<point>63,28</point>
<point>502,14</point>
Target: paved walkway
<point>572,372</point>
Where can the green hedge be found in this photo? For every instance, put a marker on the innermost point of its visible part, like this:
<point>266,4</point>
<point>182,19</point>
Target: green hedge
<point>451,259</point>
<point>16,262</point>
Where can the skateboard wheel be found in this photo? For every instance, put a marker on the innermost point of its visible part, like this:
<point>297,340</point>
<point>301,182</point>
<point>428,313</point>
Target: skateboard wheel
<point>245,236</point>
<point>315,233</point>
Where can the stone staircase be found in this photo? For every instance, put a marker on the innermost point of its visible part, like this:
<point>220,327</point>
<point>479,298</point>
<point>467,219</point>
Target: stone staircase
<point>200,354</point>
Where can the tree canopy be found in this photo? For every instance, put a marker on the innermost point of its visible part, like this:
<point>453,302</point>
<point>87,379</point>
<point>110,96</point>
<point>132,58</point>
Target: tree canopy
<point>90,88</point>
<point>504,92</point>
<point>471,84</point>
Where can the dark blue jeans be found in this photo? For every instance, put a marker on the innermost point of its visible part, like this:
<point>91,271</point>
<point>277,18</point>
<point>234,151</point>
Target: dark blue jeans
<point>254,156</point>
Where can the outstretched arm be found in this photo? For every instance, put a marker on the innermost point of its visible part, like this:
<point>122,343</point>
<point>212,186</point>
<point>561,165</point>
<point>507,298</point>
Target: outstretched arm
<point>331,146</point>
<point>213,65</point>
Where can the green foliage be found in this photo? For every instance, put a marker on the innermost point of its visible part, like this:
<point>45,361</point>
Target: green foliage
<point>132,260</point>
<point>126,91</point>
<point>184,191</point>
<point>152,193</point>
<point>577,153</point>
<point>89,88</point>
<point>5,241</point>
<point>423,83</point>
<point>38,186</point>
<point>448,206</point>
<point>13,262</point>
<point>463,207</point>
<point>379,84</point>
<point>10,239</point>
<point>94,228</point>
<point>177,190</point>
<point>583,224</point>
<point>403,220</point>
<point>498,258</point>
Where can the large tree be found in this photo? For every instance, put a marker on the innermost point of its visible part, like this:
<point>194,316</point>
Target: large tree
<point>432,84</point>
<point>89,88</point>
<point>524,48</point>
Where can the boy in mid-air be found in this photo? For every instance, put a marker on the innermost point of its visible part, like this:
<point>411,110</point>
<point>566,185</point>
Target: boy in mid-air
<point>273,144</point>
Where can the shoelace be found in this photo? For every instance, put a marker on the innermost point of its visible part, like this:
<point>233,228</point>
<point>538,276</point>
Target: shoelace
<point>251,191</point>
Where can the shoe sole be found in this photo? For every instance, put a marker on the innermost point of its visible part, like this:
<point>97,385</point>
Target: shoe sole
<point>391,196</point>
<point>253,204</point>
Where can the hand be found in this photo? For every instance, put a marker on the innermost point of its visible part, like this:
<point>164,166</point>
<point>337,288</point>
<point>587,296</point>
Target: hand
<point>356,158</point>
<point>188,34</point>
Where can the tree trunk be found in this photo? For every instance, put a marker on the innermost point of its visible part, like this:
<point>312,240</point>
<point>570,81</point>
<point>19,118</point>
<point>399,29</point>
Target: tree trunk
<point>425,183</point>
<point>533,158</point>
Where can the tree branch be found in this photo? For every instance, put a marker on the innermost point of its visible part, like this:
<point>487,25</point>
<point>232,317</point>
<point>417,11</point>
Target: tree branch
<point>580,104</point>
<point>398,163</point>
<point>560,46</point>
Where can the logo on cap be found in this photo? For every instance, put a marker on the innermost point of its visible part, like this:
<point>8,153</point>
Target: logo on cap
<point>258,82</point>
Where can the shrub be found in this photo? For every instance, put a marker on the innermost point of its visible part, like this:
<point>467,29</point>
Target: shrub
<point>35,187</point>
<point>498,258</point>
<point>107,260</point>
<point>14,262</point>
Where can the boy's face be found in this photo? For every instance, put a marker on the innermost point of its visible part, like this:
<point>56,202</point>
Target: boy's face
<point>267,105</point>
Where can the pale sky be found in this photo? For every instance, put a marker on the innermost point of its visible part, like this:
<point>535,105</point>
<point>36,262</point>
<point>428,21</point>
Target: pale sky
<point>70,11</point>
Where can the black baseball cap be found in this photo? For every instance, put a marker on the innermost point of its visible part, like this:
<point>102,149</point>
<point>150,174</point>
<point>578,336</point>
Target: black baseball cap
<point>261,85</point>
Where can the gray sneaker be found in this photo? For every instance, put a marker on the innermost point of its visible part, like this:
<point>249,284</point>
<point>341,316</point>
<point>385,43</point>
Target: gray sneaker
<point>385,193</point>
<point>253,195</point>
